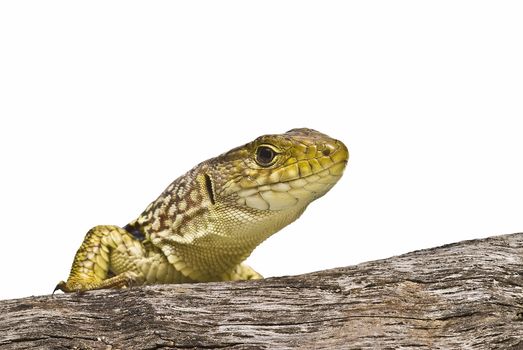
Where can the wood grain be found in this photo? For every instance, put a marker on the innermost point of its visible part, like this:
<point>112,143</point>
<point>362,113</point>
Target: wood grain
<point>467,295</point>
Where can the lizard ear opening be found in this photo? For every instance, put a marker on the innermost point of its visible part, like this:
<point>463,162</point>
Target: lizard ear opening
<point>208,185</point>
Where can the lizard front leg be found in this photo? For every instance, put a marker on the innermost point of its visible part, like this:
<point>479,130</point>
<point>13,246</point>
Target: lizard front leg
<point>106,259</point>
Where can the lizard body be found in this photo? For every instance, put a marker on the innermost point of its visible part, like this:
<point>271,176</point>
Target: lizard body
<point>209,220</point>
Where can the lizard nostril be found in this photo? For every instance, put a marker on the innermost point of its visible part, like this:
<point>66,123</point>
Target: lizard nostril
<point>329,148</point>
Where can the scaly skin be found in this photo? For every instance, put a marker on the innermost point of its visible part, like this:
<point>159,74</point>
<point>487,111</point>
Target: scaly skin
<point>209,220</point>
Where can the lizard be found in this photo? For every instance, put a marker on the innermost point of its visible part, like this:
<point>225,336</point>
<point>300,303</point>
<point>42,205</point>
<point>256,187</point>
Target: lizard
<point>208,221</point>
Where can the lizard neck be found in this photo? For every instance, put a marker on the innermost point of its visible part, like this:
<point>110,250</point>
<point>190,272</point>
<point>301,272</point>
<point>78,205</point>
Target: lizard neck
<point>229,238</point>
<point>202,239</point>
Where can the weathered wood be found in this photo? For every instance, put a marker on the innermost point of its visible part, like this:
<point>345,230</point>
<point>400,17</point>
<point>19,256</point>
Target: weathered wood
<point>467,295</point>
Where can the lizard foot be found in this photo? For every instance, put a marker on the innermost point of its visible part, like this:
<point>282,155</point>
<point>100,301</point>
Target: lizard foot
<point>123,280</point>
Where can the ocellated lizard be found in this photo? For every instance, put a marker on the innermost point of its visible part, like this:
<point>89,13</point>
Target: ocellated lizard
<point>209,220</point>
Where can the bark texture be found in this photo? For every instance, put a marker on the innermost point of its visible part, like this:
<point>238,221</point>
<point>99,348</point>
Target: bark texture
<point>467,295</point>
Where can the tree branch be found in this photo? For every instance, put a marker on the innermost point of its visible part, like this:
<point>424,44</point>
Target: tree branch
<point>463,295</point>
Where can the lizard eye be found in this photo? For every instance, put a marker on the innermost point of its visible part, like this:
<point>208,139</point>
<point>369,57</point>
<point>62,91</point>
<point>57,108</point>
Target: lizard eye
<point>265,156</point>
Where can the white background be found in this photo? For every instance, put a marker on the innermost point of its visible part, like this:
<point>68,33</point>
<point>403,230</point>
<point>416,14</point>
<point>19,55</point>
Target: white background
<point>103,104</point>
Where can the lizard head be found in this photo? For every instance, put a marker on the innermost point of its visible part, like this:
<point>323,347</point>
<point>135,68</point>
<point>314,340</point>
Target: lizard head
<point>280,172</point>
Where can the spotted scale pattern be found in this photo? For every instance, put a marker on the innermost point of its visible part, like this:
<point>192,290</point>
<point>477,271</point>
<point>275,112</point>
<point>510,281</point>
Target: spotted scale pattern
<point>210,219</point>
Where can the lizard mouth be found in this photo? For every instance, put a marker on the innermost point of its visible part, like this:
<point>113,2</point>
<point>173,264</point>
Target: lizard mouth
<point>298,183</point>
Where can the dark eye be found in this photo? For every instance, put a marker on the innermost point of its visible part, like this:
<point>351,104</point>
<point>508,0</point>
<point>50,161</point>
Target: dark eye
<point>265,155</point>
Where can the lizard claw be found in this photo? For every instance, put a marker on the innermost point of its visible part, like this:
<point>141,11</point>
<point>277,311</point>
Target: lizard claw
<point>60,286</point>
